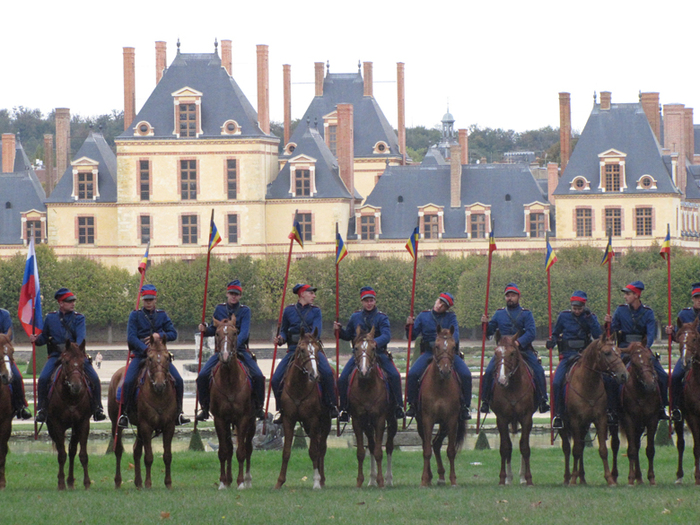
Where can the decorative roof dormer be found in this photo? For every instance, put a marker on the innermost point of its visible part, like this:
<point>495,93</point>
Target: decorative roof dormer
<point>432,221</point>
<point>477,220</point>
<point>330,131</point>
<point>368,222</point>
<point>612,171</point>
<point>187,112</point>
<point>302,176</point>
<point>143,129</point>
<point>230,127</point>
<point>85,179</point>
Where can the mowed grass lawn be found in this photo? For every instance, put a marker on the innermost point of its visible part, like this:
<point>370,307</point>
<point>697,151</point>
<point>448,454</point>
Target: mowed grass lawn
<point>31,495</point>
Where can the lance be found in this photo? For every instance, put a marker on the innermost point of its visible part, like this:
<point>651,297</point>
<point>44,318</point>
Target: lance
<point>607,325</point>
<point>36,425</point>
<point>279,320</point>
<point>410,326</point>
<point>549,314</point>
<point>337,320</point>
<point>670,336</point>
<point>142,270</point>
<point>484,326</point>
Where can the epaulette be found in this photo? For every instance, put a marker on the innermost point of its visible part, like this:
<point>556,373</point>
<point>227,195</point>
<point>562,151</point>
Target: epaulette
<point>243,306</point>
<point>566,311</point>
<point>503,308</point>
<point>158,310</point>
<point>525,309</point>
<point>380,312</point>
<point>54,312</point>
<point>77,313</point>
<point>220,304</point>
<point>623,304</point>
<point>647,307</point>
<point>688,308</point>
<point>425,311</point>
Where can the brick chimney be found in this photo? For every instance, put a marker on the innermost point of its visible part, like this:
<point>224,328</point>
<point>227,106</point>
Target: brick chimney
<point>605,99</point>
<point>565,128</point>
<point>402,109</point>
<point>463,135</point>
<point>287,78</point>
<point>62,140</point>
<point>129,88</point>
<point>263,89</point>
<point>318,78</point>
<point>345,146</point>
<point>650,105</point>
<point>8,152</point>
<point>552,180</point>
<point>48,163</point>
<point>455,176</point>
<point>227,56</point>
<point>689,134</point>
<point>161,60</point>
<point>675,139</point>
<point>367,66</point>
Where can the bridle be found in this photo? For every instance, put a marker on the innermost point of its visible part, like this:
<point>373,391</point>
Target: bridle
<point>226,338</point>
<point>690,341</point>
<point>307,353</point>
<point>637,361</point>
<point>8,350</point>
<point>364,359</point>
<point>444,351</point>
<point>501,360</point>
<point>157,363</point>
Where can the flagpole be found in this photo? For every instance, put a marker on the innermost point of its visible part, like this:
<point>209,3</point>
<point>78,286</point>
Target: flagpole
<point>670,336</point>
<point>410,326</point>
<point>484,329</point>
<point>36,425</point>
<point>204,318</point>
<point>279,324</point>
<point>337,320</point>
<point>607,325</point>
<point>549,314</point>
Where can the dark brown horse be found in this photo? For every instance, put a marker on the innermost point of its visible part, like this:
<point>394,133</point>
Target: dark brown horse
<point>513,403</point>
<point>371,411</point>
<point>587,403</point>
<point>6,413</point>
<point>232,406</point>
<point>439,405</point>
<point>156,411</point>
<point>301,401</point>
<point>69,407</point>
<point>689,339</point>
<point>641,404</point>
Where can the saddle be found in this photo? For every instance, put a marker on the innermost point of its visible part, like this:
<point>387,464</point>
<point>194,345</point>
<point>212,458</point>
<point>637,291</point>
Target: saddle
<point>243,367</point>
<point>140,379</point>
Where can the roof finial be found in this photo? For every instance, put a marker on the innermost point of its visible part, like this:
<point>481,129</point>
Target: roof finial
<point>640,95</point>
<point>178,45</point>
<point>595,97</point>
<point>308,120</point>
<point>316,122</point>
<point>216,44</point>
<point>328,67</point>
<point>359,65</point>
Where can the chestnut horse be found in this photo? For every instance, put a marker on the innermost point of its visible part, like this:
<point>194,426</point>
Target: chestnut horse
<point>587,403</point>
<point>69,407</point>
<point>641,404</point>
<point>232,406</point>
<point>439,403</point>
<point>156,411</point>
<point>301,401</point>
<point>6,412</point>
<point>689,340</point>
<point>371,411</point>
<point>514,404</point>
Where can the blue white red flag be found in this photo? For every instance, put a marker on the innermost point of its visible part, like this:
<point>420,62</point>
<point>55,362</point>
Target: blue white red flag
<point>29,311</point>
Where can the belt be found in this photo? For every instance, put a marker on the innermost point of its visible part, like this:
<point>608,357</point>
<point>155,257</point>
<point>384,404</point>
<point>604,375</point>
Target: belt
<point>575,344</point>
<point>633,338</point>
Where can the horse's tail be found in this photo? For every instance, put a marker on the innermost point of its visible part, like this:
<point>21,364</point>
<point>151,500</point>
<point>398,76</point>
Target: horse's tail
<point>461,432</point>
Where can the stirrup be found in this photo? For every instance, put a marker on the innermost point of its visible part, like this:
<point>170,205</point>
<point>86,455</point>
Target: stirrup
<point>557,423</point>
<point>663,414</point>
<point>203,415</point>
<point>344,416</point>
<point>24,413</point>
<point>411,411</point>
<point>182,419</point>
<point>484,407</point>
<point>676,415</point>
<point>99,414</point>
<point>465,413</point>
<point>333,411</point>
<point>544,407</point>
<point>123,421</point>
<point>41,416</point>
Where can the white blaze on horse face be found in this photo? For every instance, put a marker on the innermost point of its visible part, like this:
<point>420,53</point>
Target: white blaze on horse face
<point>502,379</point>
<point>364,364</point>
<point>7,365</point>
<point>312,355</point>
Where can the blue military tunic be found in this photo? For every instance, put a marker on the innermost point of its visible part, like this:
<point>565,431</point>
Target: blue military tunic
<point>426,325</point>
<point>510,321</point>
<point>687,315</point>
<point>18,401</point>
<point>242,313</point>
<point>382,336</point>
<point>294,318</point>
<point>572,333</point>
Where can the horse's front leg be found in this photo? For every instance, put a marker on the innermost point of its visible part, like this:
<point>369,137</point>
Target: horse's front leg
<point>315,451</point>
<point>392,427</point>
<point>138,452</point>
<point>288,425</point>
<point>615,447</point>
<point>360,442</point>
<point>224,436</point>
<point>506,449</point>
<point>437,451</point>
<point>566,449</point>
<point>72,450</point>
<point>452,450</point>
<point>5,431</point>
<point>118,451</point>
<point>249,452</point>
<point>241,451</point>
<point>83,454</point>
<point>579,436</point>
<point>680,447</point>
<point>426,435</point>
<point>651,450</point>
<point>602,430</point>
<point>59,438</point>
<point>694,424</point>
<point>168,433</point>
<point>525,474</point>
<point>378,453</point>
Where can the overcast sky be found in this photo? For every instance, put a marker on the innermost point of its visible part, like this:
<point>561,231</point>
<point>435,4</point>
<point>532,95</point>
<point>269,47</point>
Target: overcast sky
<point>497,63</point>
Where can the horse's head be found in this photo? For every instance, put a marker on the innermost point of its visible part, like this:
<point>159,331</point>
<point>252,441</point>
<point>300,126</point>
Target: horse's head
<point>73,362</point>
<point>226,339</point>
<point>7,351</point>
<point>158,364</point>
<point>641,366</point>
<point>306,354</point>
<point>507,357</point>
<point>689,338</point>
<point>444,350</point>
<point>365,351</point>
<point>604,357</point>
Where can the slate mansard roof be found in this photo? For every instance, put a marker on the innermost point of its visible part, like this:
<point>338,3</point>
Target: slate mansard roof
<point>625,128</point>
<point>95,148</point>
<point>222,99</point>
<point>506,188</point>
<point>370,124</point>
<point>20,192</point>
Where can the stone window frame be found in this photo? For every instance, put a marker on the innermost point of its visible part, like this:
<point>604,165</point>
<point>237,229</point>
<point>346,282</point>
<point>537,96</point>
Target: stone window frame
<point>575,221</point>
<point>187,95</point>
<point>33,216</point>
<point>238,228</point>
<point>537,207</point>
<point>140,226</point>
<point>181,226</point>
<point>230,127</point>
<point>78,226</point>
<point>381,148</point>
<point>312,216</point>
<point>179,177</point>
<point>604,219</point>
<point>612,156</point>
<point>84,166</point>
<point>302,162</point>
<point>431,210</point>
<point>652,218</point>
<point>139,172</point>
<point>366,211</point>
<point>237,170</point>
<point>475,208</point>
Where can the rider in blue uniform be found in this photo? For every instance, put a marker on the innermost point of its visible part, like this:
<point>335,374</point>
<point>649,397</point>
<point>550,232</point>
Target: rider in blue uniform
<point>64,325</point>
<point>572,333</point>
<point>232,306</point>
<point>304,314</point>
<point>366,318</point>
<point>687,315</point>
<point>509,321</point>
<point>19,402</point>
<point>426,325</point>
<point>144,323</point>
<point>632,322</point>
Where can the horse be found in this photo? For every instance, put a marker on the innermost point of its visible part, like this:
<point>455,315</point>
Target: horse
<point>371,411</point>
<point>689,339</point>
<point>6,412</point>
<point>587,403</point>
<point>69,407</point>
<point>156,410</point>
<point>641,404</point>
<point>301,401</point>
<point>439,403</point>
<point>513,402</point>
<point>232,406</point>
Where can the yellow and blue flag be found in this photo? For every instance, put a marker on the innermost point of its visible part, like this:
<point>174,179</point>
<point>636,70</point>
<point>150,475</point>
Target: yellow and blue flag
<point>551,257</point>
<point>608,254</point>
<point>412,244</point>
<point>340,250</point>
<point>214,237</point>
<point>666,246</point>
<point>296,233</point>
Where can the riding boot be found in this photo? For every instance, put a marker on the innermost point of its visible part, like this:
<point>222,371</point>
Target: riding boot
<point>398,412</point>
<point>279,418</point>
<point>181,418</point>
<point>613,419</point>
<point>344,416</point>
<point>484,407</point>
<point>663,414</point>
<point>465,413</point>
<point>203,414</point>
<point>411,412</point>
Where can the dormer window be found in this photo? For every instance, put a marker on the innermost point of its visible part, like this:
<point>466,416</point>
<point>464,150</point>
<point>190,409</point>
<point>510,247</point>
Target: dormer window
<point>368,223</point>
<point>143,129</point>
<point>477,220</point>
<point>230,127</point>
<point>289,148</point>
<point>580,184</point>
<point>612,171</point>
<point>381,148</point>
<point>330,125</point>
<point>646,182</point>
<point>34,227</point>
<point>536,219</point>
<point>431,221</point>
<point>302,176</point>
<point>85,179</point>
<point>188,115</point>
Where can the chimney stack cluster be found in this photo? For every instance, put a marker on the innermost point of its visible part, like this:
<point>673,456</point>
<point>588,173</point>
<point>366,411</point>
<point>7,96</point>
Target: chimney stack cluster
<point>227,56</point>
<point>345,146</point>
<point>8,152</point>
<point>62,140</point>
<point>401,96</point>
<point>565,128</point>
<point>129,89</point>
<point>318,79</point>
<point>161,60</point>
<point>368,78</point>
<point>263,89</point>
